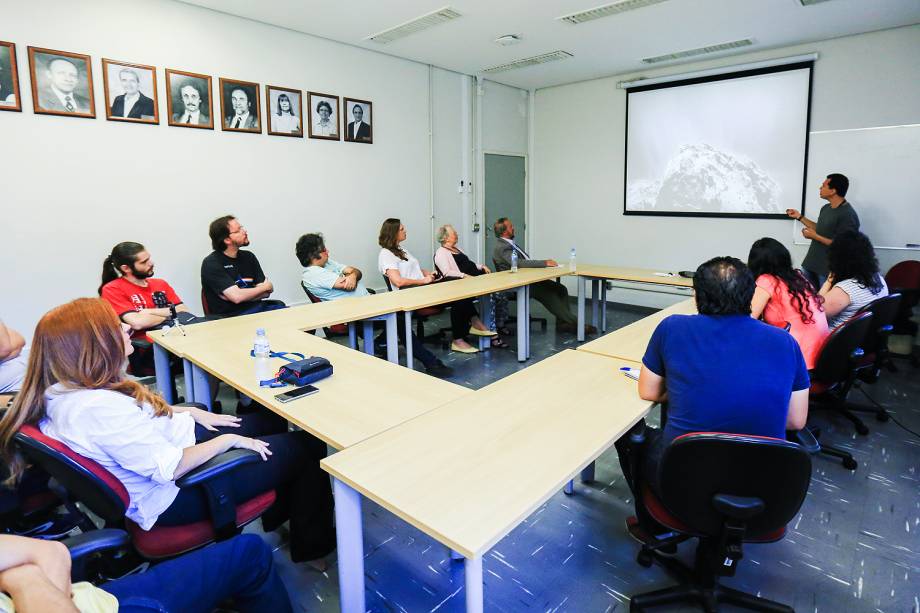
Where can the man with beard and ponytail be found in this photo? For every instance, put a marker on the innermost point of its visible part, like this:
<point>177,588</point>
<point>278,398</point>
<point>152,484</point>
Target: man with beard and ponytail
<point>142,302</point>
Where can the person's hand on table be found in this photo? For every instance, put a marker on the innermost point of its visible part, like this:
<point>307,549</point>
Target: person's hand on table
<point>552,263</point>
<point>213,421</point>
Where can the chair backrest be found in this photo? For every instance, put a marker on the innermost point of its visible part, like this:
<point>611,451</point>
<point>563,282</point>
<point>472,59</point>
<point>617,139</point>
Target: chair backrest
<point>309,294</point>
<point>834,363</point>
<point>697,467</point>
<point>904,275</point>
<point>884,311</point>
<point>386,280</point>
<point>204,304</point>
<point>85,479</point>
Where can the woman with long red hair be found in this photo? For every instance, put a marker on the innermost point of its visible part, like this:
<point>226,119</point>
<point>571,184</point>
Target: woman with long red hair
<point>76,391</point>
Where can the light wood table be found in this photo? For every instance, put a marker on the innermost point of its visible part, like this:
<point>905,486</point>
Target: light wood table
<point>468,472</point>
<point>363,397</point>
<point>599,274</point>
<point>470,287</point>
<point>630,342</point>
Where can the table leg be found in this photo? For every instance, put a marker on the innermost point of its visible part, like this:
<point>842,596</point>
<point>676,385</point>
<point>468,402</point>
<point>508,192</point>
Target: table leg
<point>603,305</point>
<point>163,374</point>
<point>368,337</point>
<point>392,339</point>
<point>349,534</point>
<point>527,319</point>
<point>202,383</point>
<point>523,323</point>
<point>569,488</point>
<point>189,380</point>
<point>409,357</point>
<point>587,473</point>
<point>352,335</point>
<point>595,291</point>
<point>473,579</point>
<point>580,331</point>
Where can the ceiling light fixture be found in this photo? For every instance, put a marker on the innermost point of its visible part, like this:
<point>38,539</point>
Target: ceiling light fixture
<point>416,25</point>
<point>529,61</point>
<point>606,10</point>
<point>679,55</point>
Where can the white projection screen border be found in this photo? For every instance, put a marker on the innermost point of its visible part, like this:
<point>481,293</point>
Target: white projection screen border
<point>733,144</point>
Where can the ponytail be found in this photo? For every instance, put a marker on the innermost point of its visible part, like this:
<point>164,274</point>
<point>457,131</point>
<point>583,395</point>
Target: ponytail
<point>123,254</point>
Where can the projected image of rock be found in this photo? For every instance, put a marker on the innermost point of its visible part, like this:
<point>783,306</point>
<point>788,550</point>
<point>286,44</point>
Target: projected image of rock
<point>703,178</point>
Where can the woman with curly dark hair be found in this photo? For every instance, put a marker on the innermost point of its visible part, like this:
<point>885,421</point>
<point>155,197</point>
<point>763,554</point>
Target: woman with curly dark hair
<point>784,295</point>
<point>853,280</point>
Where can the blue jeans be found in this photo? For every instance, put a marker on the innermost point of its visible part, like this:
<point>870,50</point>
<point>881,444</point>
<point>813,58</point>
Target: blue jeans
<point>241,568</point>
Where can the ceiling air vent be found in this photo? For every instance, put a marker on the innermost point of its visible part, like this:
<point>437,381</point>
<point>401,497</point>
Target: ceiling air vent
<point>735,44</point>
<point>605,11</point>
<point>529,61</point>
<point>416,25</point>
<point>810,2</point>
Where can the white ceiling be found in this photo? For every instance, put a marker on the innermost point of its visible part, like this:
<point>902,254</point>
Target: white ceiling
<point>606,46</point>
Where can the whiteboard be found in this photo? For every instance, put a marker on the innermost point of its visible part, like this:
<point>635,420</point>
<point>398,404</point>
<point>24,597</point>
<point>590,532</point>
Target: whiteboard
<point>883,165</point>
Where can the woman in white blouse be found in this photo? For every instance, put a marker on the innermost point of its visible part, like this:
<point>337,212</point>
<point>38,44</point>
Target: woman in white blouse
<point>77,392</point>
<point>403,270</point>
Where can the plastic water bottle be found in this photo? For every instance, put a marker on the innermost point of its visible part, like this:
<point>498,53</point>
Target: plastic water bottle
<point>514,260</point>
<point>572,264</point>
<point>262,352</point>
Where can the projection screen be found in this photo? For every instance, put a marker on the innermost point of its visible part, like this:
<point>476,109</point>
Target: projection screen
<point>729,145</point>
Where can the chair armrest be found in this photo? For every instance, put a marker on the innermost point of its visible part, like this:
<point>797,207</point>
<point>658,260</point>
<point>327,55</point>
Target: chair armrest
<point>96,541</point>
<point>218,466</point>
<point>139,343</point>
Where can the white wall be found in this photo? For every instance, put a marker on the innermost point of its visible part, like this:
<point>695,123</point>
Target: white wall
<point>72,188</point>
<point>579,131</point>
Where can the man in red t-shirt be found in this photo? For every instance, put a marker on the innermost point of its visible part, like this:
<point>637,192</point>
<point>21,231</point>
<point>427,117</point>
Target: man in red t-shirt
<point>128,285</point>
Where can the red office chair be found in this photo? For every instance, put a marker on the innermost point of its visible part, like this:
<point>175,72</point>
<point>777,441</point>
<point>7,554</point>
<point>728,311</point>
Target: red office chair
<point>904,278</point>
<point>421,316</point>
<point>725,490</point>
<point>91,484</point>
<point>336,330</point>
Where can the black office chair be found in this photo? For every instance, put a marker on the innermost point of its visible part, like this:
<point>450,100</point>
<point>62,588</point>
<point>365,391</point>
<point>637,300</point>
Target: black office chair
<point>904,278</point>
<point>839,363</point>
<point>725,490</point>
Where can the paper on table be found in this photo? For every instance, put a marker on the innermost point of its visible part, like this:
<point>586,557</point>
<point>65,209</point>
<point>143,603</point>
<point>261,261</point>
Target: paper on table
<point>632,373</point>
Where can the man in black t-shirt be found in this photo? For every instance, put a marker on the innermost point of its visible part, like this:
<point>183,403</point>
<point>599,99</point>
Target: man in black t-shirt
<point>232,279</point>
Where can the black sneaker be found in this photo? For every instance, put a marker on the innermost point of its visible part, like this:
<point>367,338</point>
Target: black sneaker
<point>439,369</point>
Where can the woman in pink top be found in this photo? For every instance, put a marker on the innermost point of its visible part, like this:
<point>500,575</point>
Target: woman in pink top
<point>784,295</point>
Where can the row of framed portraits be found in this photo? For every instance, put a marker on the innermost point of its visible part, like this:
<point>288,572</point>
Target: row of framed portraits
<point>62,84</point>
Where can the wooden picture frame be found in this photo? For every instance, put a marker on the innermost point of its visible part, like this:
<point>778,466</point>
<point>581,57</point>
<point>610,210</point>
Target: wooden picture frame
<point>230,96</point>
<point>316,128</point>
<point>277,121</point>
<point>367,113</point>
<point>147,107</point>
<point>10,98</point>
<point>58,77</point>
<point>176,81</point>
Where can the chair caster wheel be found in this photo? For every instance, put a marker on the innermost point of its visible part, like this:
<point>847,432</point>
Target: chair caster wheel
<point>882,417</point>
<point>862,430</point>
<point>849,463</point>
<point>645,558</point>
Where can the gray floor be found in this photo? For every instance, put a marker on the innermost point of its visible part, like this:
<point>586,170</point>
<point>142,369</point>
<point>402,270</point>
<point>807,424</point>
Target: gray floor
<point>855,546</point>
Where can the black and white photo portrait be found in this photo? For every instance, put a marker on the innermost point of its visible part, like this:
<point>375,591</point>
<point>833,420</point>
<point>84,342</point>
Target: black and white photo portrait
<point>359,123</point>
<point>189,99</point>
<point>324,115</point>
<point>239,106</point>
<point>9,78</point>
<point>130,92</point>
<point>62,83</point>
<point>284,111</point>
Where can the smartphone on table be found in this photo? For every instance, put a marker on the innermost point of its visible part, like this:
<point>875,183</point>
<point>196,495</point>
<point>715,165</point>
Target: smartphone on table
<point>296,393</point>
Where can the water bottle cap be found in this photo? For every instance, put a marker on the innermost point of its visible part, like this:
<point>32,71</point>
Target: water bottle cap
<point>260,331</point>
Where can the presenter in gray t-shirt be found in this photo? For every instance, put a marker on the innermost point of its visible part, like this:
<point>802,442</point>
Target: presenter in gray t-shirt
<point>835,217</point>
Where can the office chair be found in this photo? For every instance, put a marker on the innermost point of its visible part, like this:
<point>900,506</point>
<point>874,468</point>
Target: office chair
<point>725,490</point>
<point>88,482</point>
<point>421,316</point>
<point>336,330</point>
<point>511,320</point>
<point>904,278</point>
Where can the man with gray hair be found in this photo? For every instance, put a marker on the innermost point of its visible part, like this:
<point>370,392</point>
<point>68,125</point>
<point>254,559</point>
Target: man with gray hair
<point>132,104</point>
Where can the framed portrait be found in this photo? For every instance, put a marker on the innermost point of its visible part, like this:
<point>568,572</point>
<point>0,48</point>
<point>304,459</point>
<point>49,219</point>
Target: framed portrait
<point>9,78</point>
<point>359,121</point>
<point>324,115</point>
<point>62,83</point>
<point>188,100</point>
<point>239,106</point>
<point>284,111</point>
<point>130,92</point>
